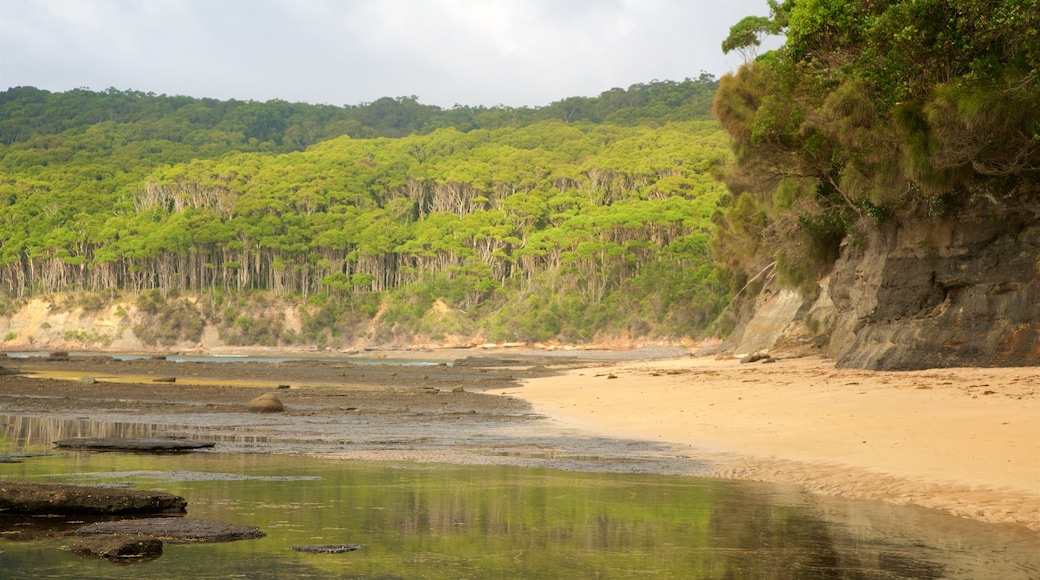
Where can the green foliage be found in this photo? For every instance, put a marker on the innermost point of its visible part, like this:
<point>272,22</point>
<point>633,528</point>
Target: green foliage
<point>91,302</point>
<point>167,321</point>
<point>10,336</point>
<point>873,111</point>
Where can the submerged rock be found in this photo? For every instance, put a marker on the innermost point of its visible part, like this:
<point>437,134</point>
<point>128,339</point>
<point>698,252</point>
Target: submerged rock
<point>326,548</point>
<point>28,497</point>
<point>141,444</point>
<point>266,403</point>
<point>176,530</point>
<point>122,549</point>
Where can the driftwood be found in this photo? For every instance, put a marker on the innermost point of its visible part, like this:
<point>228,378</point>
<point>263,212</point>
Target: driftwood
<point>142,444</point>
<point>27,497</point>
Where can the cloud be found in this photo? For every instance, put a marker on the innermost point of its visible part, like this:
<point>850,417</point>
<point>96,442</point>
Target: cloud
<point>514,52</point>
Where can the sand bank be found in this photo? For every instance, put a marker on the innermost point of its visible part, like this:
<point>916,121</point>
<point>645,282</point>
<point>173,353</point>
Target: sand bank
<point>963,440</point>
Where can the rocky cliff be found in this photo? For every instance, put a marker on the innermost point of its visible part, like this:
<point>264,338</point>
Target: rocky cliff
<point>920,294</point>
<point>961,292</point>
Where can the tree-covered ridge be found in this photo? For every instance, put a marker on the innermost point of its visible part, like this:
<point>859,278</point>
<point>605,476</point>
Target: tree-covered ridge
<point>874,111</point>
<point>214,127</point>
<point>534,230</point>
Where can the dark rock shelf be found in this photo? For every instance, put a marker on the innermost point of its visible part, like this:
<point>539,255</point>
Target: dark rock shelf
<point>27,497</point>
<point>143,444</point>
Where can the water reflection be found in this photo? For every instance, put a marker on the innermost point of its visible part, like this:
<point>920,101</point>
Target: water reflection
<point>442,521</point>
<point>237,358</point>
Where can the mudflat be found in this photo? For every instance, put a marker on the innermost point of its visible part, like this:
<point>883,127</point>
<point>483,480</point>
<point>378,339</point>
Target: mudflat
<point>962,440</point>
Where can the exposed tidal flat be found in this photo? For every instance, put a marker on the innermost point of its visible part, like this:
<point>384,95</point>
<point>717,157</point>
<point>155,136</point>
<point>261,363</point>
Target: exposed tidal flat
<point>540,467</point>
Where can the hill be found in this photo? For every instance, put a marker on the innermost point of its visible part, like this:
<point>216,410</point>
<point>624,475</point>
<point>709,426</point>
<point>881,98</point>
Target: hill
<point>380,223</point>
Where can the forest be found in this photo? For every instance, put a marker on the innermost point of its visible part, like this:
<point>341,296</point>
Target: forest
<point>587,217</point>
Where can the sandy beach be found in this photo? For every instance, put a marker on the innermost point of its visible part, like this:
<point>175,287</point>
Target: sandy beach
<point>965,440</point>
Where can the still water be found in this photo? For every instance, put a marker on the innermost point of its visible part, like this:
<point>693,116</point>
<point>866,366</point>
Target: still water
<point>445,521</point>
<point>234,358</point>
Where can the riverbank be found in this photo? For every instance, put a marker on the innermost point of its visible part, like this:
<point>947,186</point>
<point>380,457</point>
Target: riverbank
<point>963,440</point>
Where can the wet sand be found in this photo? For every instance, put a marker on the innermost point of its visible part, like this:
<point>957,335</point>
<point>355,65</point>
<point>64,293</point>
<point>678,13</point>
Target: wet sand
<point>965,441</point>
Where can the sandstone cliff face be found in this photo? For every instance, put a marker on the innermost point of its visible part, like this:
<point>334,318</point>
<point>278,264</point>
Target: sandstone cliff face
<point>925,294</point>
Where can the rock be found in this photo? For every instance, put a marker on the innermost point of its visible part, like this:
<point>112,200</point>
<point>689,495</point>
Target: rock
<point>284,387</point>
<point>87,379</point>
<point>326,548</point>
<point>176,530</point>
<point>266,403</point>
<point>458,389</point>
<point>27,497</point>
<point>141,444</point>
<point>923,293</point>
<point>58,355</point>
<point>134,548</point>
<point>165,380</point>
<point>754,357</point>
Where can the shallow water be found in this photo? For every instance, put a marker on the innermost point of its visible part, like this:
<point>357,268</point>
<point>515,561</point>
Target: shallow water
<point>446,521</point>
<point>237,358</point>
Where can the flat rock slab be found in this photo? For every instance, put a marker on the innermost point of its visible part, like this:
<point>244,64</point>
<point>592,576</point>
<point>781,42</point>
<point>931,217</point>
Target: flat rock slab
<point>133,548</point>
<point>29,497</point>
<point>326,548</point>
<point>176,530</point>
<point>142,444</point>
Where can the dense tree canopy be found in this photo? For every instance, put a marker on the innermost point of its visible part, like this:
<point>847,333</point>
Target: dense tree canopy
<point>589,215</point>
<point>873,111</point>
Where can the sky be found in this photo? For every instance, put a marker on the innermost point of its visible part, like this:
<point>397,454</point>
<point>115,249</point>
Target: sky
<point>348,52</point>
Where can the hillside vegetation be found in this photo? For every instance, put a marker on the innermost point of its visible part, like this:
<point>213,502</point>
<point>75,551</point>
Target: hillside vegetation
<point>874,112</point>
<point>382,222</point>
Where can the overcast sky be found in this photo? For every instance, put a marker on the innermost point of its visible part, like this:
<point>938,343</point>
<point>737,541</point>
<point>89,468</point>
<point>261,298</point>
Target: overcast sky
<point>345,52</point>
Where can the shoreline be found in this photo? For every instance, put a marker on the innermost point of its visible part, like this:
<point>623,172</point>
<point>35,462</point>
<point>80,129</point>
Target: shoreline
<point>961,440</point>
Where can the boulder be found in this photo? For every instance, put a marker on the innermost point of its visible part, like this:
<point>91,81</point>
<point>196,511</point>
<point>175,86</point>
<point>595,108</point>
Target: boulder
<point>27,497</point>
<point>87,379</point>
<point>266,403</point>
<point>755,357</point>
<point>175,530</point>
